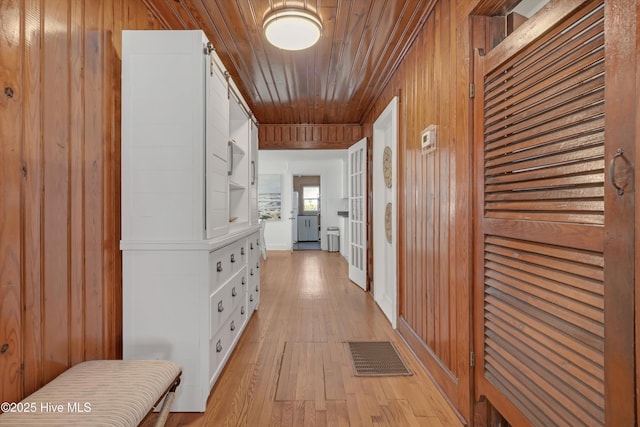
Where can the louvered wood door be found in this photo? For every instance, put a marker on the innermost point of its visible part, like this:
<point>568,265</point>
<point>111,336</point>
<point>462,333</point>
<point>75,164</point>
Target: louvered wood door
<point>540,284</point>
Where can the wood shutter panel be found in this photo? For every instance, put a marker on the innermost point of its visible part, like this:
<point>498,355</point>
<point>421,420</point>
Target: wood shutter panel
<point>542,218</point>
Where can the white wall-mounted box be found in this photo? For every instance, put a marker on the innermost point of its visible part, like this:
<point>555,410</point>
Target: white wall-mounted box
<point>428,139</point>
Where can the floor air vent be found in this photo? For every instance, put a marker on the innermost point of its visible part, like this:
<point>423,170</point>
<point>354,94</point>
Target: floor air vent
<point>376,359</point>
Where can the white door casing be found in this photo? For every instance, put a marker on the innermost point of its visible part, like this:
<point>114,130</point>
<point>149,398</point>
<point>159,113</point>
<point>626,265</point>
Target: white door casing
<point>385,134</point>
<point>357,190</point>
<point>294,216</point>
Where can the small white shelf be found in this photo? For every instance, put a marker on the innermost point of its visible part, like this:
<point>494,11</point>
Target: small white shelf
<point>233,185</point>
<point>237,150</point>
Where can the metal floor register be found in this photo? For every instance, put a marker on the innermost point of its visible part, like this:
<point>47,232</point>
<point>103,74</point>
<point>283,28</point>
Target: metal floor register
<point>375,359</point>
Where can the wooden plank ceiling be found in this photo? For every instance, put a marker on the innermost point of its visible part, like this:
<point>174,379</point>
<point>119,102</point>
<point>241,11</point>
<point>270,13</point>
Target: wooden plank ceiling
<point>334,81</point>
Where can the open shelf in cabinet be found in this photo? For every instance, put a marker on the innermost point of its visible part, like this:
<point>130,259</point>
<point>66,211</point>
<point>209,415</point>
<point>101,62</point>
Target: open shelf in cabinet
<point>238,151</point>
<point>235,186</point>
<point>240,167</point>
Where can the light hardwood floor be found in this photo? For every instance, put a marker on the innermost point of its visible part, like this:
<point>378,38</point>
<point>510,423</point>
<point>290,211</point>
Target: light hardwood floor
<point>291,366</point>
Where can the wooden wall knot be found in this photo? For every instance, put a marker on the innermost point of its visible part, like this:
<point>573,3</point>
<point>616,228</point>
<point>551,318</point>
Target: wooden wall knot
<point>8,91</point>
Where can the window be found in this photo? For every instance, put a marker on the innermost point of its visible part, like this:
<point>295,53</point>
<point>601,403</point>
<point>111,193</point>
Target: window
<point>311,198</point>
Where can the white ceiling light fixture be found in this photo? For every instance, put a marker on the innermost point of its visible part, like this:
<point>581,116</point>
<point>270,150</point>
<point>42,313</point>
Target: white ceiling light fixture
<point>292,28</point>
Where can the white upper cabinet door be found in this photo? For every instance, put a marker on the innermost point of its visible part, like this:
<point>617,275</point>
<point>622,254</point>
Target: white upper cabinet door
<point>174,185</point>
<point>253,175</point>
<point>217,153</point>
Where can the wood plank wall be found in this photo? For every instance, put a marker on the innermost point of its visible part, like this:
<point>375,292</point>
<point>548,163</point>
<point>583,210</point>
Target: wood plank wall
<point>309,137</point>
<point>436,195</point>
<point>59,189</point>
<point>434,203</point>
<point>637,219</point>
<point>60,268</point>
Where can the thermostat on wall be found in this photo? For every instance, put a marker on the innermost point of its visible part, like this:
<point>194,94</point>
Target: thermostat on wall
<point>428,139</point>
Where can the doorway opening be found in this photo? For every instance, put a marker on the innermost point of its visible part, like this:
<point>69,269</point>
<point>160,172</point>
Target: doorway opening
<point>306,215</point>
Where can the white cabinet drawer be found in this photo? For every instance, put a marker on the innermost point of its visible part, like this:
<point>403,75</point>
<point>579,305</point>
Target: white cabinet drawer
<point>225,300</point>
<point>225,262</point>
<point>219,267</point>
<point>238,255</point>
<point>253,272</point>
<point>221,344</point>
<point>219,309</point>
<point>254,298</point>
<point>237,321</point>
<point>236,290</point>
<point>254,245</point>
<point>254,266</point>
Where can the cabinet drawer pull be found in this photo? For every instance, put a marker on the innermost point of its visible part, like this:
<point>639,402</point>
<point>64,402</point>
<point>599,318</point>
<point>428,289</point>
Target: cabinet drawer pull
<point>242,310</point>
<point>220,307</point>
<point>242,250</point>
<point>251,272</point>
<point>257,288</point>
<point>244,281</point>
<point>233,292</point>
<point>251,297</point>
<point>233,326</point>
<point>219,266</point>
<point>251,246</point>
<point>218,347</point>
<point>258,242</point>
<point>258,265</point>
<point>233,258</point>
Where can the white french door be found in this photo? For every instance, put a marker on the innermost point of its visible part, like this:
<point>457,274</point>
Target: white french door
<point>357,173</point>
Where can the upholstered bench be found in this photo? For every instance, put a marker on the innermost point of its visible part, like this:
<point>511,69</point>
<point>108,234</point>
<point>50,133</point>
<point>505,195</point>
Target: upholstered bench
<point>99,393</point>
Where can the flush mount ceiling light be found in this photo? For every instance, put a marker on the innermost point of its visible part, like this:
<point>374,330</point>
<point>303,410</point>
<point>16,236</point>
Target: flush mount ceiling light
<point>292,28</point>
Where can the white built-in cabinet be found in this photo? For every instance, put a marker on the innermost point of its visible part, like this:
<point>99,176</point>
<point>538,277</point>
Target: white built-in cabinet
<point>190,235</point>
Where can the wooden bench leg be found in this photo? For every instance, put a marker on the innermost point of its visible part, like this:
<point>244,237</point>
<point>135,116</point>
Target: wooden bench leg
<point>166,404</point>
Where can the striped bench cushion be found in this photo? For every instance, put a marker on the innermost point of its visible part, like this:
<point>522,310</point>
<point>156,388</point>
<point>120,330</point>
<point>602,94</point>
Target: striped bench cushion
<point>97,393</point>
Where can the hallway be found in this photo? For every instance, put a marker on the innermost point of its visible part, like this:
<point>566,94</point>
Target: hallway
<point>291,367</point>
